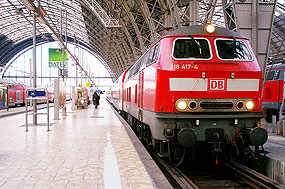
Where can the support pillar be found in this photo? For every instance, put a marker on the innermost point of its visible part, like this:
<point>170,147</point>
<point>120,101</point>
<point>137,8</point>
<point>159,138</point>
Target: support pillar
<point>34,69</point>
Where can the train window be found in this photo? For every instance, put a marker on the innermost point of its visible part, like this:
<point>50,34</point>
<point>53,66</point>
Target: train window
<point>229,49</point>
<point>143,60</point>
<point>131,71</point>
<point>130,94</point>
<point>139,65</point>
<point>136,94</point>
<point>153,55</point>
<point>281,75</point>
<point>277,74</point>
<point>188,48</point>
<point>150,56</point>
<point>270,75</point>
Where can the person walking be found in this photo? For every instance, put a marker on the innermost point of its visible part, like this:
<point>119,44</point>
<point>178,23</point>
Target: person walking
<point>96,98</point>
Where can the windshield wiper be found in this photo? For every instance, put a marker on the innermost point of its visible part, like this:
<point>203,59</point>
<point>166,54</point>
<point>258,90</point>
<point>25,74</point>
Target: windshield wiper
<point>238,47</point>
<point>196,43</point>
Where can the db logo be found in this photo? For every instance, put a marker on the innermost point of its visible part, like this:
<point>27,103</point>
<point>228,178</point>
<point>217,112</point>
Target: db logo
<point>217,85</point>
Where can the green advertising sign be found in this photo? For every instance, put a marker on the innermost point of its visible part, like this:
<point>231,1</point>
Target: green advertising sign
<point>55,58</point>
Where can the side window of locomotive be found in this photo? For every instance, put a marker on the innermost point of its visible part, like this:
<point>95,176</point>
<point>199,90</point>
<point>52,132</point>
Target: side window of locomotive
<point>139,65</point>
<point>277,74</point>
<point>229,49</point>
<point>150,56</point>
<point>131,71</point>
<point>153,55</point>
<point>281,75</point>
<point>143,60</point>
<point>191,49</point>
<point>270,75</point>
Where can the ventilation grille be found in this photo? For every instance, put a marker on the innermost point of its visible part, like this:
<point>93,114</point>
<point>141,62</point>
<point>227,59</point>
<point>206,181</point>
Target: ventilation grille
<point>216,105</point>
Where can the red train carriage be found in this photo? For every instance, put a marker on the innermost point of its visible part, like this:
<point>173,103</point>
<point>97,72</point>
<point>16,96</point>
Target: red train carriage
<point>16,94</point>
<point>273,90</point>
<point>194,88</point>
<point>114,95</point>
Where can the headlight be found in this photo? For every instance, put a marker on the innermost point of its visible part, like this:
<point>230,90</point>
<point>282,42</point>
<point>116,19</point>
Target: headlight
<point>82,101</point>
<point>249,105</point>
<point>210,28</point>
<point>181,105</point>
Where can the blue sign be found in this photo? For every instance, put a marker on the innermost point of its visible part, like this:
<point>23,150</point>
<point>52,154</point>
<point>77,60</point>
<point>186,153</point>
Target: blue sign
<point>36,93</point>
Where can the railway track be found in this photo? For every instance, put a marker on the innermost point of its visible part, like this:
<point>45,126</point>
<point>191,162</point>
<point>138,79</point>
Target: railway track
<point>250,177</point>
<point>229,174</point>
<point>177,178</point>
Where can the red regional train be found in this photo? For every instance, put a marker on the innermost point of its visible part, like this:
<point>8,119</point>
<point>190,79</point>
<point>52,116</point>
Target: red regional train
<point>16,94</point>
<point>273,90</point>
<point>196,88</point>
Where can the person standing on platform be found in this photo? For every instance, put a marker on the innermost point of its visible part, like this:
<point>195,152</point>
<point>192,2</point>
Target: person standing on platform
<point>96,98</point>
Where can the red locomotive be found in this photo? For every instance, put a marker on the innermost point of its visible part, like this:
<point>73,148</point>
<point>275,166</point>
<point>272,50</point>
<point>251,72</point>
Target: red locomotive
<point>273,90</point>
<point>195,87</point>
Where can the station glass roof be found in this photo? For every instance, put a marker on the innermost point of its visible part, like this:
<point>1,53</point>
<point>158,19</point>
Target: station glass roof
<point>107,27</point>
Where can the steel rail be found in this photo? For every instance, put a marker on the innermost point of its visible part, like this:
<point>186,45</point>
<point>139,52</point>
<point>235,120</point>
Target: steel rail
<point>180,179</point>
<point>251,177</point>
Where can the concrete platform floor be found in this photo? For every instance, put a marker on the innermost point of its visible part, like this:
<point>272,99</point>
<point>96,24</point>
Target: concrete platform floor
<point>89,148</point>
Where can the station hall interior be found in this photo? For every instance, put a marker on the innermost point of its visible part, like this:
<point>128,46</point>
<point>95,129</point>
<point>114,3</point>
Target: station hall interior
<point>136,93</point>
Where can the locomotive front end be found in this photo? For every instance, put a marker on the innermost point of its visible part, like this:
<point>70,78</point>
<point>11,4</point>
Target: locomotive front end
<point>209,91</point>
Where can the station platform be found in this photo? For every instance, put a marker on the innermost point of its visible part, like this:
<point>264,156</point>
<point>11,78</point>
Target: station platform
<point>275,148</point>
<point>88,148</point>
<point>18,110</point>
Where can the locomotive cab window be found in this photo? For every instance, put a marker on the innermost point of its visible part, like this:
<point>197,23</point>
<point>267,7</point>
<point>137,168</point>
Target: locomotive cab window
<point>153,55</point>
<point>229,49</point>
<point>270,75</point>
<point>190,48</point>
<point>277,75</point>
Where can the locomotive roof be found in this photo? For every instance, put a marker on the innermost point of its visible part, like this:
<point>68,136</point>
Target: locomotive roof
<point>200,30</point>
<point>275,66</point>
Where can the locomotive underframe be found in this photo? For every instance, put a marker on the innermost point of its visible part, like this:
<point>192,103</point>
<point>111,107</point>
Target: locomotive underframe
<point>217,129</point>
<point>227,125</point>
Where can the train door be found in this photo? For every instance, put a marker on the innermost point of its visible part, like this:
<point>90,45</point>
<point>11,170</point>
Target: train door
<point>3,96</point>
<point>18,97</point>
